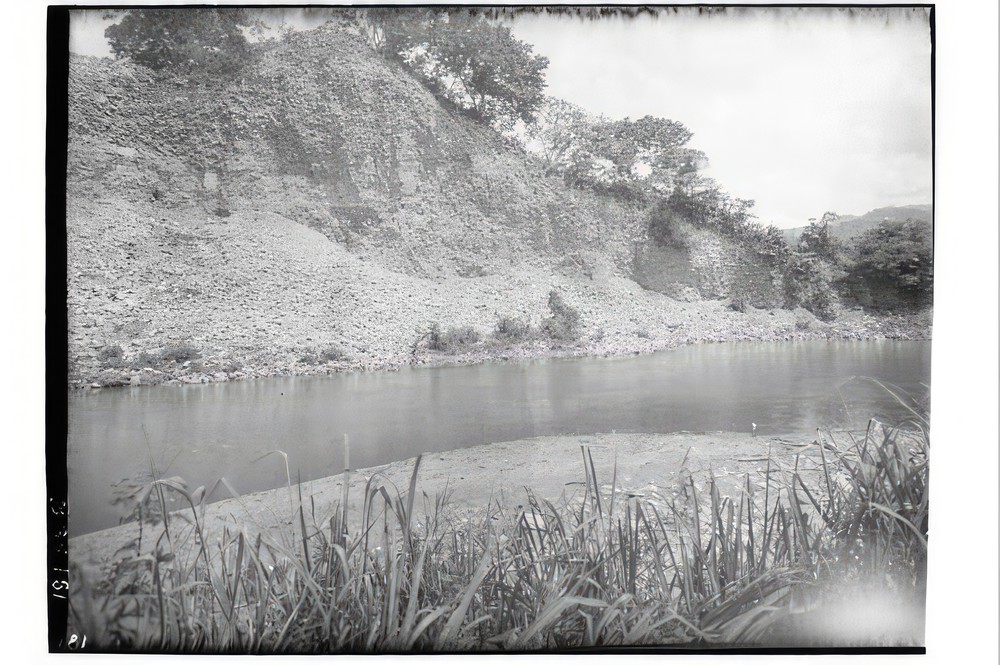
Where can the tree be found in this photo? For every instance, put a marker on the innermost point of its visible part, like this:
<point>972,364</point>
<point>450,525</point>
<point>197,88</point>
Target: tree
<point>394,31</point>
<point>473,63</point>
<point>557,134</point>
<point>209,41</point>
<point>631,158</point>
<point>892,266</point>
<point>647,148</point>
<point>714,208</point>
<point>817,239</point>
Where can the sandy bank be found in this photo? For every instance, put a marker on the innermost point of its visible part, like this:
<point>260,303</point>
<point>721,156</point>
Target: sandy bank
<point>652,466</point>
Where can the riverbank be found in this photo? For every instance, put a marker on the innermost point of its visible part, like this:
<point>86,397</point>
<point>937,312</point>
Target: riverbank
<point>652,466</point>
<point>694,323</point>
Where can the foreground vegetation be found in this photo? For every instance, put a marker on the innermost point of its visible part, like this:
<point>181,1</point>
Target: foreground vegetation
<point>410,573</point>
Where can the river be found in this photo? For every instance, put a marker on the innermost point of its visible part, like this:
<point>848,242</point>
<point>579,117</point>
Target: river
<point>205,432</point>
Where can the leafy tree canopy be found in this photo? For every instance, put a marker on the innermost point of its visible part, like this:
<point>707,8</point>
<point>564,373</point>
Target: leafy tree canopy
<point>817,239</point>
<point>644,156</point>
<point>893,266</point>
<point>466,59</point>
<point>637,148</point>
<point>557,133</point>
<point>209,41</point>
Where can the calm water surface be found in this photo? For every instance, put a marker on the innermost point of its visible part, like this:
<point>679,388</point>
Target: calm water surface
<point>204,432</point>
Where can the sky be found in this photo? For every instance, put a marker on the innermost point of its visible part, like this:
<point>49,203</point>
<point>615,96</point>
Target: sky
<point>803,110</point>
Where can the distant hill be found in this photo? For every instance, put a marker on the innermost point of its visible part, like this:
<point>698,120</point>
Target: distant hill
<point>851,225</point>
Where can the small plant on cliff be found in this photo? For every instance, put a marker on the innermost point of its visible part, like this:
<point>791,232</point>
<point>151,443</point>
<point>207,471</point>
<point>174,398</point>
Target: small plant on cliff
<point>144,360</point>
<point>232,367</point>
<point>564,324</point>
<point>465,59</point>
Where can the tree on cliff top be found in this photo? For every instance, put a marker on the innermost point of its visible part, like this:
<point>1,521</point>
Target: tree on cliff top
<point>209,41</point>
<point>633,158</point>
<point>464,58</point>
<point>557,133</point>
<point>818,239</point>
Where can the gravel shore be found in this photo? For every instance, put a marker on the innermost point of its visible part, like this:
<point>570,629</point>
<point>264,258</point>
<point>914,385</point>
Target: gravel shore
<point>299,304</point>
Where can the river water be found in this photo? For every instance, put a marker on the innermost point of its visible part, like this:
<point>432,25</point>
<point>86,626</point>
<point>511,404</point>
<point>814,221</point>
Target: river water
<point>206,432</point>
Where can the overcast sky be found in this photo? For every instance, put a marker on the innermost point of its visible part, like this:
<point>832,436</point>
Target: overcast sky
<point>803,110</point>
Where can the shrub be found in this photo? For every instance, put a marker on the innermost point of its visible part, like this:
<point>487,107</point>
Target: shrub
<point>821,302</point>
<point>111,351</point>
<point>452,340</point>
<point>510,330</point>
<point>179,352</point>
<point>564,324</point>
<point>333,353</point>
<point>807,284</point>
<point>144,360</point>
<point>664,223</point>
<point>232,367</point>
<point>892,267</point>
<point>464,336</point>
<point>111,356</point>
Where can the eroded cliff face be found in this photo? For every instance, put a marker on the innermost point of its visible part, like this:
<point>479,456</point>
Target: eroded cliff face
<point>328,134</point>
<point>704,264</point>
<point>326,200</point>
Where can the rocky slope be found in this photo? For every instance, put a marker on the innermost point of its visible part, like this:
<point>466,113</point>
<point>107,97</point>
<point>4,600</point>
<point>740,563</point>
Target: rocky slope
<point>321,212</point>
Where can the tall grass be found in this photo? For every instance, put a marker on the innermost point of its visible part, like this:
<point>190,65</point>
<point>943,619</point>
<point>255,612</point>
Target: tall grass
<point>398,571</point>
